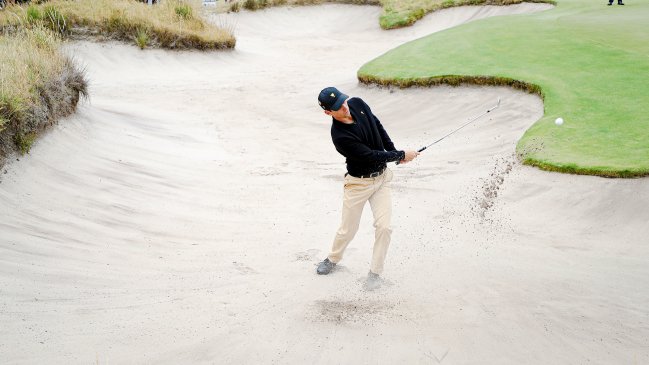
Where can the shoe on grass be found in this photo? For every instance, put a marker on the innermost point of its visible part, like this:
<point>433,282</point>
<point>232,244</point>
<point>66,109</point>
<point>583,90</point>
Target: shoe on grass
<point>325,267</point>
<point>372,282</point>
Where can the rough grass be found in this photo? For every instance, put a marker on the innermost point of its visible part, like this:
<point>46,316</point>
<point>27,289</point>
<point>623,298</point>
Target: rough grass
<point>176,24</point>
<point>38,85</point>
<point>588,61</point>
<point>453,80</point>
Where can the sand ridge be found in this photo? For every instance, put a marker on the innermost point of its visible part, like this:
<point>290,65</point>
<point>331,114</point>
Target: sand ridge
<point>178,217</point>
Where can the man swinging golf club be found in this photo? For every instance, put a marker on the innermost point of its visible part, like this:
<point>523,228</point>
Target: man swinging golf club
<point>358,135</point>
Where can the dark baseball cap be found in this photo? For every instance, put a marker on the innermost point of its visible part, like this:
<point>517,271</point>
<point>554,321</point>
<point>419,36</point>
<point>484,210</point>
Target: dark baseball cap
<point>331,98</point>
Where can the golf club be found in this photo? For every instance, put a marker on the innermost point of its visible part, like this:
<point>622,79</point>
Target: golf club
<point>462,126</point>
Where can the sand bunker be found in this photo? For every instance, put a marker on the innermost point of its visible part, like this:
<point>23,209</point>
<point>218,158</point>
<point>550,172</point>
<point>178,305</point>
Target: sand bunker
<point>178,218</point>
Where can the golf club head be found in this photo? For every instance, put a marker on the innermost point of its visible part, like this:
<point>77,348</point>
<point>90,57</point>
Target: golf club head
<point>495,107</point>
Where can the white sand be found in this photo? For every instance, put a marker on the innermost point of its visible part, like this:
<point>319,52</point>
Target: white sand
<point>177,218</point>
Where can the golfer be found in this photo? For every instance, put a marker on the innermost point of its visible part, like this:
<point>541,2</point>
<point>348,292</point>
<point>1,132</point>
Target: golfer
<point>358,135</point>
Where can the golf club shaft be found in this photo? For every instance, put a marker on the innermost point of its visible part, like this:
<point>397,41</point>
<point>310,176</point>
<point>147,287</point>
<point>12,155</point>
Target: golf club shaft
<point>462,126</point>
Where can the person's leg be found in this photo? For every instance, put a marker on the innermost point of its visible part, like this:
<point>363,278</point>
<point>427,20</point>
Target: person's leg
<point>357,191</point>
<point>381,203</point>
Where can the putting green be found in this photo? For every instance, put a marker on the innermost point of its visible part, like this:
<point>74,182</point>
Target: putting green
<point>590,62</point>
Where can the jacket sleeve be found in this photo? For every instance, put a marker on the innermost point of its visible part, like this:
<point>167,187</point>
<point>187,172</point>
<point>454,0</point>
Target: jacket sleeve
<point>357,151</point>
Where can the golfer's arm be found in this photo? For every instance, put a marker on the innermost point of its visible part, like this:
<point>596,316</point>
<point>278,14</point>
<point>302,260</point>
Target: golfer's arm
<point>360,152</point>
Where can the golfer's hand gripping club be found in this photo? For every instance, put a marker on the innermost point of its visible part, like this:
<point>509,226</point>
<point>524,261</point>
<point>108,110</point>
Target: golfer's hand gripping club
<point>409,156</point>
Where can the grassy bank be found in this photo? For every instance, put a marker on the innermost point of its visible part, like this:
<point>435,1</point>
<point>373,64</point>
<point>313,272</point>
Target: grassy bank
<point>590,63</point>
<point>38,85</point>
<point>175,24</point>
<point>403,13</point>
<point>396,13</point>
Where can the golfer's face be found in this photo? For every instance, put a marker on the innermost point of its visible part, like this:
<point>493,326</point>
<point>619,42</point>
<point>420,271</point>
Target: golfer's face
<point>341,113</point>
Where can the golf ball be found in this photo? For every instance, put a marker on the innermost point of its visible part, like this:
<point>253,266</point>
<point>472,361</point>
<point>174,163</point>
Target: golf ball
<point>558,121</point>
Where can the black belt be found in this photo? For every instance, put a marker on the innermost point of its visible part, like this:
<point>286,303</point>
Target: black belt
<point>372,174</point>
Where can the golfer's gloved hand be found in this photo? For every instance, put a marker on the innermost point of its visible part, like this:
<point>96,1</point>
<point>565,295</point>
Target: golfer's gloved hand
<point>409,156</point>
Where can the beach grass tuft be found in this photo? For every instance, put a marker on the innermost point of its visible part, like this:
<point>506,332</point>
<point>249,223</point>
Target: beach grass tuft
<point>142,38</point>
<point>184,11</point>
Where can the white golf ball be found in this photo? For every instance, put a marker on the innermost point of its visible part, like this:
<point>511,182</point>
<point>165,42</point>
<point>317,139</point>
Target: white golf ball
<point>558,121</point>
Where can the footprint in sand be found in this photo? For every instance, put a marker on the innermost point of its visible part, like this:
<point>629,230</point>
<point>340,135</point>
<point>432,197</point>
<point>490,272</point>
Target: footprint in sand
<point>243,268</point>
<point>308,255</point>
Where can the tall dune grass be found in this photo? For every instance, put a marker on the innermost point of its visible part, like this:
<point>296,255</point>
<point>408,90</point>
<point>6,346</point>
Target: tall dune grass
<point>38,85</point>
<point>168,24</point>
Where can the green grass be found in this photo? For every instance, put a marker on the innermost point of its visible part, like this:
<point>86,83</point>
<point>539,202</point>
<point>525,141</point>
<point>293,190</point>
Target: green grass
<point>184,11</point>
<point>142,38</point>
<point>588,61</point>
<point>33,14</point>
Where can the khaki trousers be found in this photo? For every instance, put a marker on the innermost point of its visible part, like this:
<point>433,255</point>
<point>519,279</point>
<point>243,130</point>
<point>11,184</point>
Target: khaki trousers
<point>357,192</point>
